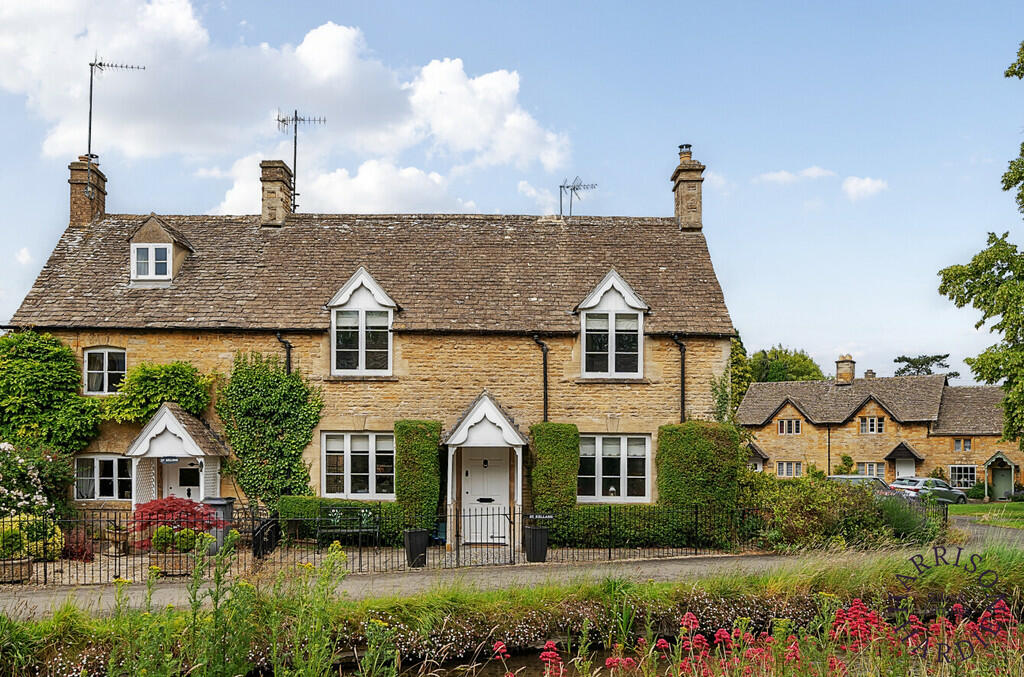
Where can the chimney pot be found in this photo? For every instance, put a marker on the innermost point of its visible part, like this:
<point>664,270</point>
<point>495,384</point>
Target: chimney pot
<point>869,373</point>
<point>845,370</point>
<point>88,191</point>
<point>686,184</point>
<point>276,192</point>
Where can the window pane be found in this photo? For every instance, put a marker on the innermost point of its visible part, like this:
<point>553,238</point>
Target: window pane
<point>106,467</point>
<point>626,343</point>
<point>384,464</point>
<point>360,443</point>
<point>346,318</point>
<point>636,486</point>
<point>610,486</point>
<point>334,463</point>
<point>346,359</point>
<point>635,467</point>
<point>141,268</point>
<point>588,466</point>
<point>114,381</point>
<point>385,443</point>
<point>346,339</point>
<point>377,318</point>
<point>94,362</point>
<point>95,382</point>
<point>597,362</point>
<point>188,477</point>
<point>106,488</point>
<point>336,443</point>
<point>142,254</point>
<point>385,484</point>
<point>956,445</point>
<point>160,268</point>
<point>610,446</point>
<point>360,484</point>
<point>160,254</point>
<point>628,363</point>
<point>85,484</point>
<point>597,322</point>
<point>376,359</point>
<point>597,342</point>
<point>124,467</point>
<point>610,467</point>
<point>376,339</point>
<point>587,446</point>
<point>360,463</point>
<point>967,445</point>
<point>335,484</point>
<point>124,489</point>
<point>585,486</point>
<point>627,322</point>
<point>115,361</point>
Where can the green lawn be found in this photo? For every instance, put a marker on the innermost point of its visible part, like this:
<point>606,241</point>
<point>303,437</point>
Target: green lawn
<point>990,511</point>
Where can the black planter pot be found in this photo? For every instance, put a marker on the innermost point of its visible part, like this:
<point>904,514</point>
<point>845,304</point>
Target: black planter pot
<point>535,542</point>
<point>416,541</point>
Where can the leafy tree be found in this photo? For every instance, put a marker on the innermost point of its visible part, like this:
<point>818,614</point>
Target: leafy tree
<point>147,386</point>
<point>1014,176</point>
<point>269,417</point>
<point>39,400</point>
<point>923,365</point>
<point>993,283</point>
<point>740,374</point>
<point>783,364</point>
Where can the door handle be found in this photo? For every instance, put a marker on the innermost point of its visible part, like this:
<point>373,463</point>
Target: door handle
<point>485,500</point>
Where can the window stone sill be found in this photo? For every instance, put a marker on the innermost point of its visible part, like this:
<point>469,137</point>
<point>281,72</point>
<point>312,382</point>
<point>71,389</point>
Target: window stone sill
<point>635,381</point>
<point>340,379</point>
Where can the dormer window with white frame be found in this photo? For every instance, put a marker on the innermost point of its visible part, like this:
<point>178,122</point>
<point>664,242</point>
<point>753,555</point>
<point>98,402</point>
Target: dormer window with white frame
<point>612,330</point>
<point>361,317</point>
<point>151,261</point>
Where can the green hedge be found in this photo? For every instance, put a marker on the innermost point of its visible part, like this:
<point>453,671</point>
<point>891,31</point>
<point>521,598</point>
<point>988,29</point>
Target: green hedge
<point>295,510</point>
<point>556,463</point>
<point>417,470</point>
<point>699,462</point>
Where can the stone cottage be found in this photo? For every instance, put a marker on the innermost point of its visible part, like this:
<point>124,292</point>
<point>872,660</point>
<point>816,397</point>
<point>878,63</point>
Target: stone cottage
<point>486,323</point>
<point>891,426</point>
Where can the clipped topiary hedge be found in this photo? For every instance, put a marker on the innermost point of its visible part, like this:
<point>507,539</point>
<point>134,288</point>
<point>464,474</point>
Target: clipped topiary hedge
<point>418,471</point>
<point>556,463</point>
<point>297,512</point>
<point>699,462</point>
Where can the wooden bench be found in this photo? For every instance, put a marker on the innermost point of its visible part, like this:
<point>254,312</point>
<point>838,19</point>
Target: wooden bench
<point>337,522</point>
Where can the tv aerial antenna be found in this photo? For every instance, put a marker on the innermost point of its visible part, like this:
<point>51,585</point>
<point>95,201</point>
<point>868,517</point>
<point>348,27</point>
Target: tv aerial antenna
<point>573,191</point>
<point>98,64</point>
<point>293,121</point>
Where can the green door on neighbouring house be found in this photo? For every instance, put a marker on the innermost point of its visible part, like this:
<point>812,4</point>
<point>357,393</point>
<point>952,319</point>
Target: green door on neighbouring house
<point>1002,482</point>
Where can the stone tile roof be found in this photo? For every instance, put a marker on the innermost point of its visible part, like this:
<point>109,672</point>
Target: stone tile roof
<point>446,272</point>
<point>200,432</point>
<point>970,410</point>
<point>906,398</point>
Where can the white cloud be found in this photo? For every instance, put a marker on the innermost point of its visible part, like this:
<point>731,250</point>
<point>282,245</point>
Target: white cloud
<point>544,198</point>
<point>24,257</point>
<point>717,181</point>
<point>783,176</point>
<point>208,102</point>
<point>857,188</point>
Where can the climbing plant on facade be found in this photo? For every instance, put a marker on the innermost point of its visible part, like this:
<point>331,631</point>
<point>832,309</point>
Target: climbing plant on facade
<point>147,386</point>
<point>269,417</point>
<point>39,400</point>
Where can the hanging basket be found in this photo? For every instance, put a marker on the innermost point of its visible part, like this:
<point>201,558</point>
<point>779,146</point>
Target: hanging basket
<point>15,570</point>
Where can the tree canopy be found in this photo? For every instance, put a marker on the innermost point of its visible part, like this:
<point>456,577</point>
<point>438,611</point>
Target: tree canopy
<point>923,365</point>
<point>784,364</point>
<point>1014,176</point>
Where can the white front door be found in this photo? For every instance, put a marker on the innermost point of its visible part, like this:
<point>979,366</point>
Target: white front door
<point>905,467</point>
<point>485,490</point>
<point>182,479</point>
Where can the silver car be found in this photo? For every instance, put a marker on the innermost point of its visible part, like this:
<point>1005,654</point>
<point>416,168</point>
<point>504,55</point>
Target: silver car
<point>924,487</point>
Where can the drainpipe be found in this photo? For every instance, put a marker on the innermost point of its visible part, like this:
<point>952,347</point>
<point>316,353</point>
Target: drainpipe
<point>287,352</point>
<point>544,360</point>
<point>828,471</point>
<point>682,377</point>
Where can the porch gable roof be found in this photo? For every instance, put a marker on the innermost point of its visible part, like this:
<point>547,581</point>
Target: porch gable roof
<point>485,407</point>
<point>198,439</point>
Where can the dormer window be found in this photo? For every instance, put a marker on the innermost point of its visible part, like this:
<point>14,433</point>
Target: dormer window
<point>611,324</point>
<point>361,316</point>
<point>151,261</point>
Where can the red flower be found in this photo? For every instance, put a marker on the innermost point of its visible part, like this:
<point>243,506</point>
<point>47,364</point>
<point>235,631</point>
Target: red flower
<point>689,621</point>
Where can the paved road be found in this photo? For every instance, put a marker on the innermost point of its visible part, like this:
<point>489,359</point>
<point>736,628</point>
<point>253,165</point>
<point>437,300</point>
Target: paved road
<point>38,602</point>
<point>982,534</point>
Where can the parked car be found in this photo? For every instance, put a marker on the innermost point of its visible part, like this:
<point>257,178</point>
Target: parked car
<point>877,485</point>
<point>922,487</point>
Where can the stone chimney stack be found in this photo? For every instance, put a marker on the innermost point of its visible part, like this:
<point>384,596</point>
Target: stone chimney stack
<point>88,192</point>
<point>686,181</point>
<point>276,178</point>
<point>869,373</point>
<point>845,370</point>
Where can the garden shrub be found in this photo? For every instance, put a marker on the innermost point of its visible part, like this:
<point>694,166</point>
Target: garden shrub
<point>556,463</point>
<point>185,540</point>
<point>39,400</point>
<point>43,539</point>
<point>12,542</point>
<point>977,491</point>
<point>938,473</point>
<point>78,546</point>
<point>846,467</point>
<point>33,480</point>
<point>173,513</point>
<point>298,515</point>
<point>699,462</point>
<point>147,386</point>
<point>163,538</point>
<point>269,417</point>
<point>417,471</point>
<point>907,522</point>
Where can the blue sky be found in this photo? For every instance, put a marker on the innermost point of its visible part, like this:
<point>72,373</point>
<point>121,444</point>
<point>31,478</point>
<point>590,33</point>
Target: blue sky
<point>853,149</point>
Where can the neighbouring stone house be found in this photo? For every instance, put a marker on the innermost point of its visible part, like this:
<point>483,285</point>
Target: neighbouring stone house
<point>486,323</point>
<point>891,427</point>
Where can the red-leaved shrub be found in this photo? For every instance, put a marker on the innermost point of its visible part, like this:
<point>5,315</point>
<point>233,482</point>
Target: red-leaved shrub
<point>78,546</point>
<point>177,513</point>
